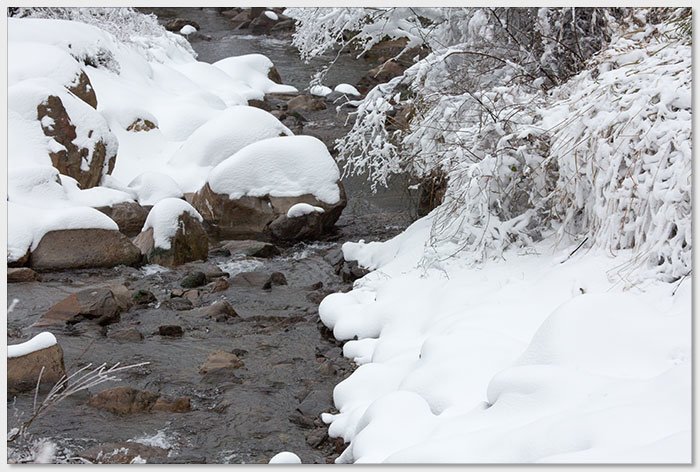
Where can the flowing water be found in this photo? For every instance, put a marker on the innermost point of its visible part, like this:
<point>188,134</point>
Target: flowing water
<point>291,363</point>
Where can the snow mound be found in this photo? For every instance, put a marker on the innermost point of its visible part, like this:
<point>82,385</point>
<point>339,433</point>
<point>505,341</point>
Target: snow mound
<point>29,60</point>
<point>347,89</point>
<point>280,167</point>
<point>93,197</point>
<point>285,458</point>
<point>37,343</point>
<point>164,219</point>
<point>187,30</point>
<point>301,209</point>
<point>151,187</point>
<point>271,15</point>
<point>320,90</point>
<point>226,134</point>
<point>252,71</point>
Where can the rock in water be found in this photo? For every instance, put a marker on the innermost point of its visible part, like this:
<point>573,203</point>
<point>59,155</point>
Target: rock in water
<point>173,234</point>
<point>21,274</point>
<point>104,305</point>
<point>250,248</point>
<point>23,370</point>
<point>220,360</point>
<point>83,248</point>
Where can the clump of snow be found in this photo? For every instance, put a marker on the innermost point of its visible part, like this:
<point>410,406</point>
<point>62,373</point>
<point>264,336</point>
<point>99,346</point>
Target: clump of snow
<point>538,357</point>
<point>37,343</point>
<point>271,15</point>
<point>226,134</point>
<point>320,90</point>
<point>152,187</point>
<point>187,30</point>
<point>301,209</point>
<point>164,218</point>
<point>251,71</point>
<point>93,197</point>
<point>285,458</point>
<point>280,167</point>
<point>29,60</point>
<point>347,89</point>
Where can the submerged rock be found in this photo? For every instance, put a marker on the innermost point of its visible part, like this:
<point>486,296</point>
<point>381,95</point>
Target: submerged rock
<point>125,452</point>
<point>127,400</point>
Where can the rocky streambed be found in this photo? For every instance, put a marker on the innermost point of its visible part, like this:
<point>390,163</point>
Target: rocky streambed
<point>239,367</point>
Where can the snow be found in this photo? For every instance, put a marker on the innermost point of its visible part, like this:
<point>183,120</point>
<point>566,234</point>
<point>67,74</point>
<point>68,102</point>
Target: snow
<point>537,357</point>
<point>251,71</point>
<point>227,133</point>
<point>285,458</point>
<point>301,209</point>
<point>164,218</point>
<point>272,15</point>
<point>187,30</point>
<point>347,89</point>
<point>37,343</point>
<point>152,187</point>
<point>280,167</point>
<point>320,90</point>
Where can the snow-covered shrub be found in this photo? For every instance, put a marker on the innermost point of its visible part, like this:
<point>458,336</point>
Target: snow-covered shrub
<point>540,135</point>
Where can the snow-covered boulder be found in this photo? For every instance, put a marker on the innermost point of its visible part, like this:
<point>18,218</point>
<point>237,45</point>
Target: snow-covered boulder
<point>259,184</point>
<point>285,457</point>
<point>347,89</point>
<point>173,234</point>
<point>255,71</point>
<point>320,90</point>
<point>26,360</point>
<point>151,187</point>
<point>228,133</point>
<point>80,143</point>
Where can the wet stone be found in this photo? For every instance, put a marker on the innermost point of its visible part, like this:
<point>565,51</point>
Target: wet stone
<point>172,331</point>
<point>126,335</point>
<point>143,297</point>
<point>178,304</point>
<point>193,280</point>
<point>21,274</point>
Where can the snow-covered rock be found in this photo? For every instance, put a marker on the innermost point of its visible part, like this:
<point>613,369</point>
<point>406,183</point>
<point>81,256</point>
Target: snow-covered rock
<point>301,209</point>
<point>152,187</point>
<point>187,30</point>
<point>173,234</point>
<point>25,362</point>
<point>347,89</point>
<point>285,457</point>
<point>320,90</point>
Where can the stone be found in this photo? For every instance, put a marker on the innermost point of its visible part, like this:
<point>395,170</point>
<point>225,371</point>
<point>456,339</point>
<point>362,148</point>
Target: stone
<point>23,371</point>
<point>178,304</point>
<point>262,104</point>
<point>220,360</point>
<point>306,103</point>
<point>261,24</point>
<point>241,18</point>
<point>21,262</point>
<point>69,157</point>
<point>195,279</point>
<point>278,278</point>
<point>253,279</point>
<point>250,248</point>
<point>176,24</point>
<point>129,216</point>
<point>143,297</point>
<point>379,75</point>
<point>190,243</point>
<point>123,453</point>
<point>211,271</point>
<point>82,88</point>
<point>83,248</point>
<point>124,400</point>
<point>128,335</point>
<point>171,331</point>
<point>219,285</point>
<point>98,304</point>
<point>191,295</point>
<point>231,12</point>
<point>351,271</point>
<point>251,217</point>
<point>178,405</point>
<point>219,311</point>
<point>316,402</point>
<point>317,437</point>
<point>21,274</point>
<point>141,124</point>
<point>273,74</point>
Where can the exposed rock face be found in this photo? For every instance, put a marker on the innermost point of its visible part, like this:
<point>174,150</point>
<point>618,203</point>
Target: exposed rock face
<point>23,372</point>
<point>251,217</point>
<point>104,305</point>
<point>82,88</point>
<point>190,243</point>
<point>274,75</point>
<point>69,161</point>
<point>83,248</point>
<point>129,216</point>
<point>305,103</point>
<point>381,74</point>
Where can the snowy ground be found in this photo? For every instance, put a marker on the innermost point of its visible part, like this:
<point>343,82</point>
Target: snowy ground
<point>534,358</point>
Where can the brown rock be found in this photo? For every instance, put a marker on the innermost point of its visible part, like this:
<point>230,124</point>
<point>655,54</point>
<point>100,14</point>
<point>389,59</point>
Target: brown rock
<point>176,24</point>
<point>23,372</point>
<point>129,216</point>
<point>250,217</point>
<point>126,335</point>
<point>220,360</point>
<point>381,74</point>
<point>21,262</point>
<point>100,304</point>
<point>123,453</point>
<point>190,243</point>
<point>305,103</point>
<point>124,400</point>
<point>21,274</point>
<point>82,88</point>
<point>261,24</point>
<point>69,161</point>
<point>141,124</point>
<point>83,248</point>
<point>219,311</point>
<point>254,279</point>
<point>242,18</point>
<point>262,104</point>
<point>219,285</point>
<point>250,248</point>
<point>274,75</point>
<point>171,331</point>
<point>179,405</point>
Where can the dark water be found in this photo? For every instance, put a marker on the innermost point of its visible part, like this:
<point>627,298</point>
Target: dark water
<point>291,364</point>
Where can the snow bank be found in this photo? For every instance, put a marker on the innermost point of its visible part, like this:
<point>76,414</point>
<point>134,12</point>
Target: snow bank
<point>301,209</point>
<point>280,167</point>
<point>535,358</point>
<point>37,343</point>
<point>252,70</point>
<point>347,89</point>
<point>285,458</point>
<point>164,219</point>
<point>226,134</point>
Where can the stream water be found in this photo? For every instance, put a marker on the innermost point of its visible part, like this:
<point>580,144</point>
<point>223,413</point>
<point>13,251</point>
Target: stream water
<point>291,363</point>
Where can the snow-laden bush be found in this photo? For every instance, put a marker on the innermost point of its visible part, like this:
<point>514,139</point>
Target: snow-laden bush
<point>531,146</point>
<point>139,30</point>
